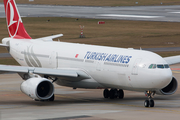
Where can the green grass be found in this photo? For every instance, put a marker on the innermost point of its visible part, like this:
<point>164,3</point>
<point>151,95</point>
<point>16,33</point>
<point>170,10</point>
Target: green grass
<point>102,2</point>
<point>8,61</point>
<point>115,33</point>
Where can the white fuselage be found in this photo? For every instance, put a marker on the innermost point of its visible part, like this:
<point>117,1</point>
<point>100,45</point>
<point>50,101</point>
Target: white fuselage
<point>108,67</point>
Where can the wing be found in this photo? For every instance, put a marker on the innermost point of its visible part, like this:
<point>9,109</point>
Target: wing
<point>50,38</point>
<point>172,60</point>
<point>64,74</point>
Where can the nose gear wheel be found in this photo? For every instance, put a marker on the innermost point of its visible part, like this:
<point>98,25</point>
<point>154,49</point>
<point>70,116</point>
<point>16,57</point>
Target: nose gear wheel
<point>149,102</point>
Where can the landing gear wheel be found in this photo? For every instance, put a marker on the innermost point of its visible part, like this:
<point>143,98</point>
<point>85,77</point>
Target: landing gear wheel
<point>115,93</point>
<point>121,94</point>
<point>106,93</point>
<point>112,94</point>
<point>52,98</point>
<point>146,103</point>
<point>151,103</point>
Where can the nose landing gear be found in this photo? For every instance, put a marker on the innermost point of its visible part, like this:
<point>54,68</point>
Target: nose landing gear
<point>150,101</point>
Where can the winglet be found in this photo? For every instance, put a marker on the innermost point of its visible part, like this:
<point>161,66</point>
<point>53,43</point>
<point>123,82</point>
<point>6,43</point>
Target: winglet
<point>14,22</point>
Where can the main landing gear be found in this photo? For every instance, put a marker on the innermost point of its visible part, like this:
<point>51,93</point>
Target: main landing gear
<point>113,93</point>
<point>150,101</point>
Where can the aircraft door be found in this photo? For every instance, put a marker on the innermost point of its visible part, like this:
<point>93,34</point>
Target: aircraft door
<point>135,66</point>
<point>53,62</point>
<point>98,67</point>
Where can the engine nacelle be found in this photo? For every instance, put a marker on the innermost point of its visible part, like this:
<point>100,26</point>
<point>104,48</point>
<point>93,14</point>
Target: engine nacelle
<point>170,88</point>
<point>38,88</point>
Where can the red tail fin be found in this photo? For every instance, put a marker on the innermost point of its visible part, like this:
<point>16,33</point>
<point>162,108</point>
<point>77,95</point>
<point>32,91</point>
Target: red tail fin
<point>15,26</point>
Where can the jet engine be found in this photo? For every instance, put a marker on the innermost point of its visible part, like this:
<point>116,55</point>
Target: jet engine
<point>170,88</point>
<point>38,88</point>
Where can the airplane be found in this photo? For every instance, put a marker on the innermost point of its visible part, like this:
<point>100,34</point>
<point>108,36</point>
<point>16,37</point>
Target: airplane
<point>44,62</point>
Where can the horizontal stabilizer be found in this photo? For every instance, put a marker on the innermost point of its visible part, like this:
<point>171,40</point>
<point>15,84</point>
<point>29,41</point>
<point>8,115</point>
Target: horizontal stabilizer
<point>50,38</point>
<point>3,45</point>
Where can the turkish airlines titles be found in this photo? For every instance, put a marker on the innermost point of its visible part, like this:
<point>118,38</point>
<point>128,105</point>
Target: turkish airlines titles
<point>107,57</point>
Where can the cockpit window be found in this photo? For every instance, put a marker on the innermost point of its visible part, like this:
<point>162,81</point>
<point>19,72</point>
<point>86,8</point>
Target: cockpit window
<point>160,66</point>
<point>152,66</point>
<point>166,66</point>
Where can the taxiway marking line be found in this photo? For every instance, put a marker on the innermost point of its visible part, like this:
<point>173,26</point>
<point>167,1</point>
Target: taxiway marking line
<point>175,68</point>
<point>176,71</point>
<point>152,109</point>
<point>173,12</point>
<point>62,96</point>
<point>134,16</point>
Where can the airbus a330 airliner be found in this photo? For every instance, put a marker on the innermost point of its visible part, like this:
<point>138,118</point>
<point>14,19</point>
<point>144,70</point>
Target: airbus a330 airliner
<point>44,62</point>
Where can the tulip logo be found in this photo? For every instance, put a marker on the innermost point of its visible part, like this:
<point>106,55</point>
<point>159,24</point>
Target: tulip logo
<point>13,18</point>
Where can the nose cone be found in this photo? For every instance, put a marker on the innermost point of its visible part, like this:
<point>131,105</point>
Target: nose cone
<point>165,78</point>
<point>154,79</point>
<point>160,79</point>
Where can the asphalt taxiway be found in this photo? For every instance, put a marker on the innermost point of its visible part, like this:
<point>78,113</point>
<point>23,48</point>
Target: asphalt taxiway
<point>5,55</point>
<point>145,13</point>
<point>83,104</point>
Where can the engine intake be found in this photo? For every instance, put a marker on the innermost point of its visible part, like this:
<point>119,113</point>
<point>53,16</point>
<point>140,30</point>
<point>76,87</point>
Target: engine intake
<point>38,88</point>
<point>170,88</point>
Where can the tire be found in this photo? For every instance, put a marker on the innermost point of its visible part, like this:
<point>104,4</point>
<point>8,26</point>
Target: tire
<point>106,93</point>
<point>116,93</point>
<point>121,94</point>
<point>146,103</point>
<point>111,94</point>
<point>151,103</point>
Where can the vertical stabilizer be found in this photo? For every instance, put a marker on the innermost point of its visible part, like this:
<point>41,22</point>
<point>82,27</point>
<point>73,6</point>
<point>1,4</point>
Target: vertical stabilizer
<point>14,22</point>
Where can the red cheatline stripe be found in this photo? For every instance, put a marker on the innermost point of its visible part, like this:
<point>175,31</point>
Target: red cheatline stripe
<point>175,68</point>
